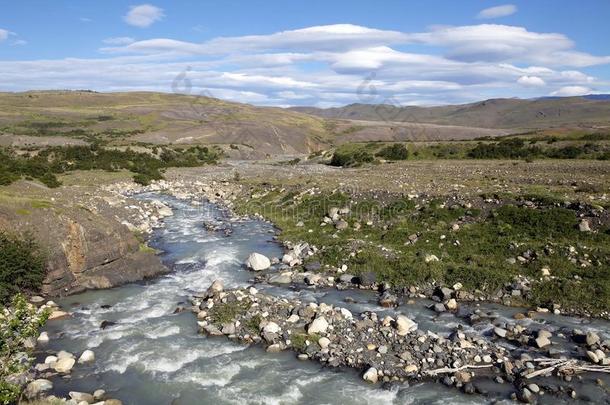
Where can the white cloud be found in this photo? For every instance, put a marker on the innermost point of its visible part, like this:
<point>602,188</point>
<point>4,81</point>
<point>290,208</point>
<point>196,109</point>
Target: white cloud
<point>531,81</point>
<point>318,38</point>
<point>143,15</point>
<point>571,91</point>
<point>498,11</point>
<point>119,40</point>
<point>3,34</point>
<point>19,42</point>
<point>328,64</point>
<point>505,43</point>
<point>85,19</point>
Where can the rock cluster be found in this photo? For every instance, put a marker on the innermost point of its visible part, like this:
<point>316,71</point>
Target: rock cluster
<point>385,348</point>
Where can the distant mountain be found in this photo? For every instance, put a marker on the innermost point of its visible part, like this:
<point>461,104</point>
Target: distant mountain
<point>597,97</point>
<point>494,113</point>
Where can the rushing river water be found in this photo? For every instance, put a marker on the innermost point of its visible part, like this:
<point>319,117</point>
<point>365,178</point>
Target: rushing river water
<point>155,356</point>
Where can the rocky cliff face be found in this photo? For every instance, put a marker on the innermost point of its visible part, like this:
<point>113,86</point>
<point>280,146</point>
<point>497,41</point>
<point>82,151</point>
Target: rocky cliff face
<point>88,245</point>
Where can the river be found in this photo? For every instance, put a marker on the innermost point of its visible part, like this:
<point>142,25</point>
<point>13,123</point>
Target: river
<point>153,355</point>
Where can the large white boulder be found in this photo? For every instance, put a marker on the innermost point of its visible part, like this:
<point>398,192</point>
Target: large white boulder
<point>371,375</point>
<point>404,325</point>
<point>64,365</point>
<point>258,262</point>
<point>87,357</point>
<point>319,325</point>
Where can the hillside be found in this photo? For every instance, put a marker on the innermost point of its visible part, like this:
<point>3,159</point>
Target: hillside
<point>54,118</point>
<point>495,113</point>
<point>119,119</point>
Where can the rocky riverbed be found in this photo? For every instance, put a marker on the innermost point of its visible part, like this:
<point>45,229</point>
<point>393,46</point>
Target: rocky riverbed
<point>392,348</point>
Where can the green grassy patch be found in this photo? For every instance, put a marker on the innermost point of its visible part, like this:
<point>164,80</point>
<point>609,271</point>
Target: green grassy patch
<point>227,312</point>
<point>476,255</point>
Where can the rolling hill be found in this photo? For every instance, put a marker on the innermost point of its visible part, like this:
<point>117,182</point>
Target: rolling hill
<point>513,114</point>
<point>119,119</point>
<point>40,118</point>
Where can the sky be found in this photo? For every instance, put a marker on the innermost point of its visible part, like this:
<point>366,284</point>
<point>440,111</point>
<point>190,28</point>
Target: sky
<point>315,53</point>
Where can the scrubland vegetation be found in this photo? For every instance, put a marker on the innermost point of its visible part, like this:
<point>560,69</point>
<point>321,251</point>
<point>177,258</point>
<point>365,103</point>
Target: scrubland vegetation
<point>591,146</point>
<point>47,163</point>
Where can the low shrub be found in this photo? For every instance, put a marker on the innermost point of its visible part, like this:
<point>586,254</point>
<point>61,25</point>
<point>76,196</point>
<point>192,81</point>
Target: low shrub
<point>22,265</point>
<point>394,152</point>
<point>351,158</point>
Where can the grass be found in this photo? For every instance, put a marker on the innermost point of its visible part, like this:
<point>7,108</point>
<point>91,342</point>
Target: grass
<point>476,255</point>
<point>299,340</point>
<point>227,312</point>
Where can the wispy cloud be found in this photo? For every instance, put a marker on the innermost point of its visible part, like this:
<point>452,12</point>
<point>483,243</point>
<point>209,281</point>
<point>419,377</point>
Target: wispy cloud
<point>498,11</point>
<point>119,40</point>
<point>144,15</point>
<point>571,91</point>
<point>3,34</point>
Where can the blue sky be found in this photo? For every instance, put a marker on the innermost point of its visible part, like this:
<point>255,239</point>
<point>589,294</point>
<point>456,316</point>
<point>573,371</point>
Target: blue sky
<point>322,53</point>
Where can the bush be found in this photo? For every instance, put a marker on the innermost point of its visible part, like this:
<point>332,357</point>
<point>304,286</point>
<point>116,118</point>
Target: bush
<point>507,149</point>
<point>20,321</point>
<point>394,152</point>
<point>9,393</point>
<point>351,158</point>
<point>54,160</point>
<point>50,180</point>
<point>22,265</point>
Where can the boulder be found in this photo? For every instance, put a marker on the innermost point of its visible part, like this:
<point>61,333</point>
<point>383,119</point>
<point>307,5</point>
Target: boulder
<point>62,354</point>
<point>282,278</point>
<point>404,325</point>
<point>271,327</point>
<point>87,357</point>
<point>99,395</point>
<point>542,341</point>
<point>216,287</point>
<point>500,332</point>
<point>584,226</point>
<point>37,387</point>
<point>64,365</point>
<point>340,225</point>
<point>592,338</point>
<point>43,338</point>
<point>451,304</point>
<point>57,314</point>
<point>258,262</point>
<point>387,299</point>
<point>287,258</point>
<point>324,342</point>
<point>319,325</point>
<point>371,375</point>
<point>411,368</point>
<point>81,397</point>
